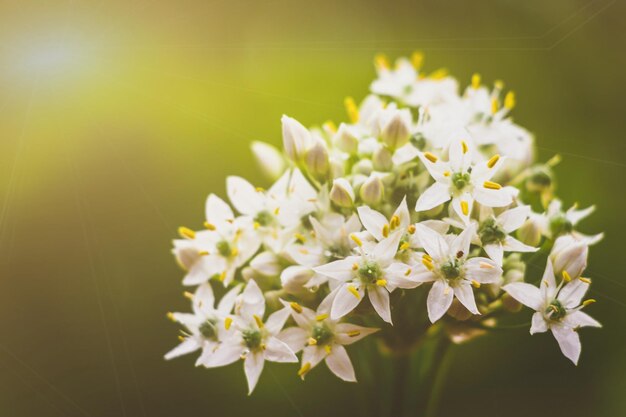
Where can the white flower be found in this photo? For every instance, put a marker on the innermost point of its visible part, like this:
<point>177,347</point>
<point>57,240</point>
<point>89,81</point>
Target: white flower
<point>556,222</point>
<point>452,273</point>
<point>227,244</point>
<point>205,327</point>
<point>569,254</point>
<point>322,338</point>
<point>557,308</point>
<point>463,182</point>
<point>252,339</point>
<point>379,226</point>
<point>269,158</point>
<point>296,138</point>
<point>373,271</point>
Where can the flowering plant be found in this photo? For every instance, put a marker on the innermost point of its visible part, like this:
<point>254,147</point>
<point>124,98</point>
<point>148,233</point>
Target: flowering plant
<point>419,219</point>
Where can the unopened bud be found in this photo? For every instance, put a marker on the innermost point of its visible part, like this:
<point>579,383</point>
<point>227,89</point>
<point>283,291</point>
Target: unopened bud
<point>296,138</point>
<point>371,191</point>
<point>396,131</point>
<point>294,277</point>
<point>381,159</point>
<point>363,167</point>
<point>345,140</point>
<point>570,255</point>
<point>316,159</point>
<point>342,193</point>
<point>269,159</point>
<point>530,232</point>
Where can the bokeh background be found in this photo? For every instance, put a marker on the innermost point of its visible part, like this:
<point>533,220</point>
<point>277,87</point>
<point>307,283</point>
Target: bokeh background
<point>117,118</point>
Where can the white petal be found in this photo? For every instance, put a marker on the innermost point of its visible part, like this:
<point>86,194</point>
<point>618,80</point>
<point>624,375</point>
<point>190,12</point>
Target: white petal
<point>458,208</point>
<point>548,284</point>
<point>483,270</point>
<point>347,333</point>
<point>569,341</point>
<point>278,351</point>
<point>495,252</point>
<point>277,319</point>
<point>513,245</point>
<point>526,294</point>
<point>439,300</point>
<point>462,242</point>
<point>340,270</point>
<point>313,355</point>
<point>492,198</point>
<point>252,301</point>
<point>572,293</point>
<point>538,324</point>
<point>294,337</point>
<point>225,354</point>
<point>189,345</point>
<point>465,294</point>
<point>574,216</point>
<point>253,366</point>
<point>339,363</point>
<point>226,304</point>
<point>203,299</point>
<point>245,198</point>
<point>514,218</point>
<point>373,221</point>
<point>580,319</point>
<point>266,263</point>
<point>345,301</point>
<point>434,244</point>
<point>217,211</point>
<point>386,249</point>
<point>434,195</point>
<point>379,297</point>
<point>459,159</point>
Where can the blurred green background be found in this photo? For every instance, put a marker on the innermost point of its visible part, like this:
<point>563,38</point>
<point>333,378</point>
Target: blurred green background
<point>117,118</point>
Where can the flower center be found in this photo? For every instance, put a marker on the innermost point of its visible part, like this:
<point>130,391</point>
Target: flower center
<point>555,311</point>
<point>208,329</point>
<point>252,338</point>
<point>264,218</point>
<point>560,225</point>
<point>460,180</point>
<point>491,232</point>
<point>451,270</point>
<point>322,334</point>
<point>224,249</point>
<point>369,272</point>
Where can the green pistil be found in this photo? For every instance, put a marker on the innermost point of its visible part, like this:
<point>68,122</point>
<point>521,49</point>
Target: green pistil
<point>322,334</point>
<point>460,180</point>
<point>223,247</point>
<point>451,269</point>
<point>208,329</point>
<point>264,218</point>
<point>490,232</point>
<point>369,272</point>
<point>252,338</point>
<point>556,311</point>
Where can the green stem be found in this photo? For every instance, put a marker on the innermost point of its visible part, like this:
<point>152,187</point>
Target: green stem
<point>441,371</point>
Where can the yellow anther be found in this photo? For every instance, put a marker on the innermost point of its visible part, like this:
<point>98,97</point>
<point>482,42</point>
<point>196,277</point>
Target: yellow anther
<point>498,84</point>
<point>327,348</point>
<point>588,302</point>
<point>566,276</point>
<point>306,367</point>
<point>492,185</point>
<point>585,280</point>
<point>222,276</point>
<point>439,74</point>
<point>228,321</point>
<point>475,284</point>
<point>209,226</point>
<point>417,59</point>
<point>351,109</point>
<point>276,211</point>
<point>464,207</point>
<point>187,233</point>
<point>394,222</point>
<point>493,161</point>
<point>464,146</point>
<point>427,257</point>
<point>331,126</point>
<point>476,81</point>
<point>385,230</point>
<point>485,265</point>
<point>408,272</point>
<point>430,157</point>
<point>300,237</point>
<point>446,173</point>
<point>258,321</point>
<point>355,266</point>
<point>312,341</point>
<point>321,317</point>
<point>354,333</point>
<point>494,105</point>
<point>188,295</point>
<point>170,316</point>
<point>428,264</point>
<point>296,307</point>
<point>381,282</point>
<point>509,100</point>
<point>381,61</point>
<point>181,338</point>
<point>546,283</point>
<point>354,291</point>
<point>203,253</point>
<point>411,229</point>
<point>234,252</point>
<point>405,246</point>
<point>263,346</point>
<point>356,240</point>
<point>259,189</point>
<point>256,225</point>
<point>304,251</point>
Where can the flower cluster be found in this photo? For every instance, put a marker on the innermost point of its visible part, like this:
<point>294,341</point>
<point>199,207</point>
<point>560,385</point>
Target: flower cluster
<point>425,190</point>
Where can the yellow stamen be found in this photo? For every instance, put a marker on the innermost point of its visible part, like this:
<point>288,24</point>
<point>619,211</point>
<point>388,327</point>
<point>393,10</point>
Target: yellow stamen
<point>381,61</point>
<point>509,100</point>
<point>408,272</point>
<point>492,185</point>
<point>186,232</point>
<point>170,316</point>
<point>296,307</point>
<point>209,226</point>
<point>312,341</point>
<point>300,237</point>
<point>493,161</point>
<point>228,321</point>
<point>475,284</point>
<point>181,338</point>
<point>464,207</point>
<point>354,291</point>
<point>306,367</point>
<point>354,333</point>
<point>385,230</point>
<point>188,295</point>
<point>259,189</point>
<point>327,348</point>
<point>330,125</point>
<point>222,276</point>
<point>566,276</point>
<point>256,225</point>
<point>427,257</point>
<point>476,81</point>
<point>588,302</point>
<point>381,282</point>
<point>446,173</point>
<point>321,317</point>
<point>203,253</point>
<point>428,264</point>
<point>356,240</point>
<point>405,246</point>
<point>417,59</point>
<point>355,266</point>
<point>439,74</point>
<point>585,280</point>
<point>234,252</point>
<point>498,84</point>
<point>263,346</point>
<point>464,146</point>
<point>351,109</point>
<point>411,229</point>
<point>432,158</point>
<point>276,211</point>
<point>394,222</point>
<point>258,321</point>
<point>494,105</point>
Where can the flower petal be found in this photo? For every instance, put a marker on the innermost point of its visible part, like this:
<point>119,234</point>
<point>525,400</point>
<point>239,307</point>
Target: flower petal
<point>188,345</point>
<point>253,366</point>
<point>434,243</point>
<point>495,252</point>
<point>226,304</point>
<point>243,195</point>
<point>580,319</point>
<point>217,211</point>
<point>483,270</point>
<point>568,340</point>
<point>278,351</point>
<point>492,198</point>
<point>526,294</point>
<point>277,319</point>
<point>514,218</point>
<point>347,333</point>
<point>434,195</point>
<point>538,324</point>
<point>339,363</point>
<point>345,301</point>
<point>340,270</point>
<point>373,221</point>
<point>379,297</point>
<point>513,245</point>
<point>465,294</point>
<point>294,337</point>
<point>572,293</point>
<point>439,300</point>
